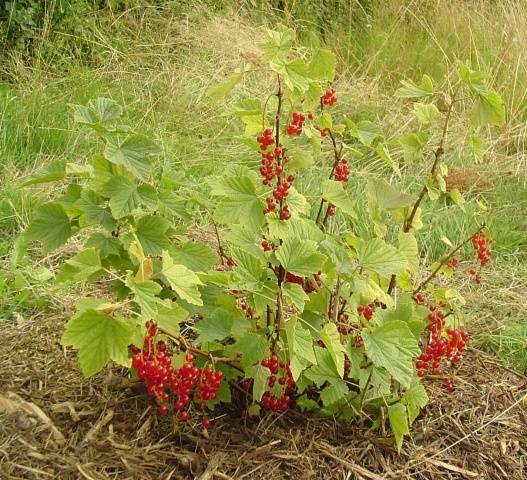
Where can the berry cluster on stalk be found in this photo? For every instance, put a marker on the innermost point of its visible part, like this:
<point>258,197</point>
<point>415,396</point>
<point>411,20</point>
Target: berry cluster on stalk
<point>365,311</point>
<point>281,373</point>
<point>329,98</point>
<point>153,365</point>
<point>266,139</point>
<point>342,171</point>
<point>479,242</point>
<point>443,344</point>
<point>296,124</point>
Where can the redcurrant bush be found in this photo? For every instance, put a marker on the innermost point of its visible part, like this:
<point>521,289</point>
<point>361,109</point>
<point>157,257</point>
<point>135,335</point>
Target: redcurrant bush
<point>295,304</point>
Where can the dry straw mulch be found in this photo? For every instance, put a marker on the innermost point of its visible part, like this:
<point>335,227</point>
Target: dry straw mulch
<point>56,425</point>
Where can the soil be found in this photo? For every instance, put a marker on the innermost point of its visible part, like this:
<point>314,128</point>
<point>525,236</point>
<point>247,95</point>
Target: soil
<point>56,424</point>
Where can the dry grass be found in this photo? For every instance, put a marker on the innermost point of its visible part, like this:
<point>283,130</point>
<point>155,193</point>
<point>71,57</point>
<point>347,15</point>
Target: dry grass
<point>105,428</point>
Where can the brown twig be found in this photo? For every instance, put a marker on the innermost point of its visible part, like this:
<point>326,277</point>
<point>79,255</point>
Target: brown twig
<point>444,260</point>
<point>438,153</point>
<point>338,157</point>
<point>220,248</point>
<point>281,272</point>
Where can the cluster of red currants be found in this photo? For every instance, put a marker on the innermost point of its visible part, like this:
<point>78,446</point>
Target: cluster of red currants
<point>342,171</point>
<point>366,311</point>
<point>296,124</point>
<point>450,347</point>
<point>332,210</point>
<point>342,326</point>
<point>420,299</point>
<point>266,139</point>
<point>270,166</point>
<point>279,371</point>
<point>329,97</point>
<point>479,242</point>
<point>309,286</point>
<point>323,131</point>
<point>154,366</point>
<point>453,263</point>
<point>266,246</point>
<point>227,264</point>
<point>474,273</point>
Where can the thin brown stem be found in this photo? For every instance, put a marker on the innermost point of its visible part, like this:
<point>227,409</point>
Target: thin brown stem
<point>438,153</point>
<point>337,153</point>
<point>445,259</point>
<point>281,271</point>
<point>220,248</point>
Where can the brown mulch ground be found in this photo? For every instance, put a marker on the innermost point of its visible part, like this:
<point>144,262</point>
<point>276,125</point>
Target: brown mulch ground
<point>103,429</point>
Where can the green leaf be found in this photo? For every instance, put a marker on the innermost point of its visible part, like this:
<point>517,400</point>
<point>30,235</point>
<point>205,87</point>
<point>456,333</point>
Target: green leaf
<point>299,159</point>
<point>415,398</point>
<point>333,192</point>
<point>93,213</point>
<point>371,291</point>
<point>233,186</point>
<point>324,370</point>
<point>376,255</point>
<point>393,347</point>
<point>426,113</point>
<point>216,327</point>
<point>409,250</point>
<point>218,91</point>
<point>182,280</point>
<point>331,338</point>
<point>476,80</point>
<point>413,145</point>
<point>260,375</point>
<point>133,153</point>
<point>457,198</point>
<point>151,233</point>
<point>197,256</point>
<point>279,43</point>
<point>296,295</point>
<point>476,147</point>
<point>295,74</point>
<point>51,226</point>
<point>300,256</point>
<point>246,238</point>
<point>251,269</point>
<point>124,198</point>
<point>106,245</point>
<point>52,172</point>
<point>99,110</point>
<point>296,201</point>
<point>146,296</point>
<point>334,393</point>
<point>384,154</point>
<point>386,196</point>
<point>168,319</point>
<point>411,90</point>
<point>338,255</point>
<point>241,203</point>
<point>252,347</point>
<point>80,267</point>
<point>106,109</point>
<point>325,120</point>
<point>99,338</point>
<point>489,109</point>
<point>300,344</point>
<point>365,130</point>
<point>322,65</point>
<point>398,423</point>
